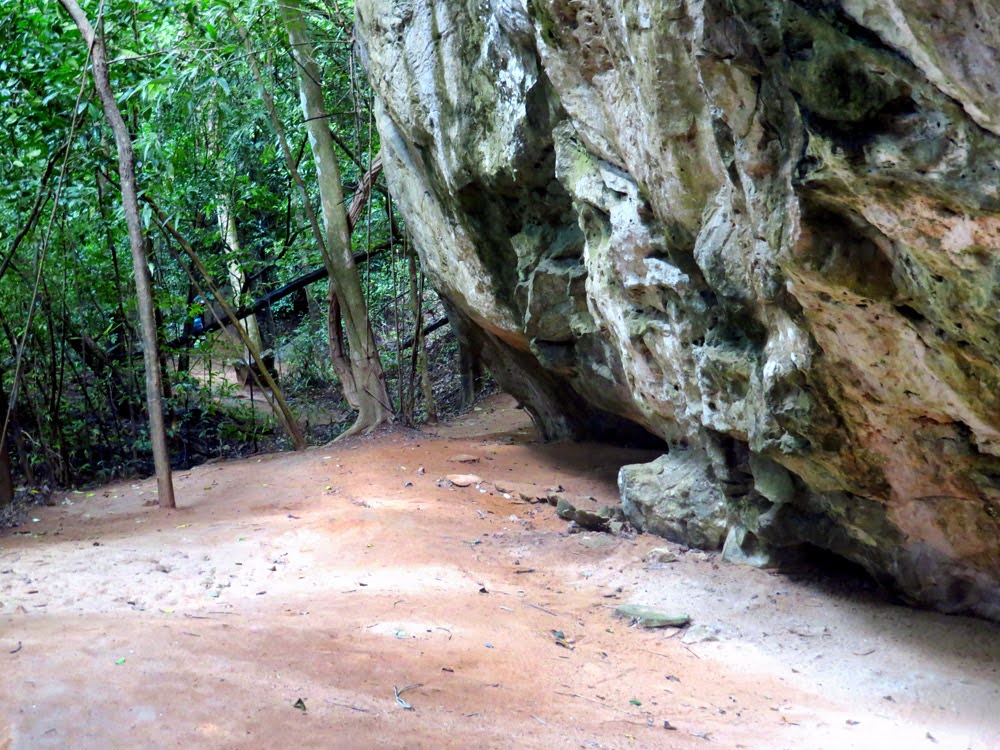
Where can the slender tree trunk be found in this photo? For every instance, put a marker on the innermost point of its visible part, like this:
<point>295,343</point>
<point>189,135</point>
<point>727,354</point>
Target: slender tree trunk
<point>6,477</point>
<point>226,219</point>
<point>419,353</point>
<point>11,430</point>
<point>184,353</point>
<point>237,278</point>
<point>470,371</point>
<point>6,473</point>
<point>334,326</point>
<point>369,392</point>
<point>143,280</point>
<point>36,210</point>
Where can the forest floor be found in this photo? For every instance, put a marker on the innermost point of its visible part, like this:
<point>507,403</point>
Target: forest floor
<point>290,596</point>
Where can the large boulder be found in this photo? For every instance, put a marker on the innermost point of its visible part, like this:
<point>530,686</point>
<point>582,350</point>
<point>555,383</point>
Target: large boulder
<point>677,497</point>
<point>764,230</point>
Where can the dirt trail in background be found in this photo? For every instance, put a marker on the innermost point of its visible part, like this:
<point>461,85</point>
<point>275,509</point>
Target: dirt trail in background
<point>335,575</point>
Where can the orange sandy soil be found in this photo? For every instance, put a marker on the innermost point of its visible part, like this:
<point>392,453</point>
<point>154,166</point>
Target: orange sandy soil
<point>336,574</point>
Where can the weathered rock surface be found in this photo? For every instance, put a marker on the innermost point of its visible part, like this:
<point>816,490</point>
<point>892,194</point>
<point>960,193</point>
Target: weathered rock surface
<point>677,497</point>
<point>764,230</point>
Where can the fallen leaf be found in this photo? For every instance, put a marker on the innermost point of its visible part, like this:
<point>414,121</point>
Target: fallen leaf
<point>299,704</point>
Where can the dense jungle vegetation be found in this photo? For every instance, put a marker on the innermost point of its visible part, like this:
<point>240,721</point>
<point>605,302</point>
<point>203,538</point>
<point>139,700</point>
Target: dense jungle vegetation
<point>228,108</point>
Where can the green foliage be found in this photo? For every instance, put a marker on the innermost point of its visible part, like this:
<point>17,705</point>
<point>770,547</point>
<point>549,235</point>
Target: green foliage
<point>303,359</point>
<point>202,138</point>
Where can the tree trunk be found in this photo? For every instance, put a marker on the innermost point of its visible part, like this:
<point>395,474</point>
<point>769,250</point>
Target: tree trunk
<point>470,365</point>
<point>227,229</point>
<point>6,477</point>
<point>237,278</point>
<point>364,387</point>
<point>6,473</point>
<point>291,162</point>
<point>143,280</point>
<point>419,353</point>
<point>338,358</point>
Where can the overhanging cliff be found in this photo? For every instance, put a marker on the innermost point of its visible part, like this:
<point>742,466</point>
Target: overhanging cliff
<point>765,231</point>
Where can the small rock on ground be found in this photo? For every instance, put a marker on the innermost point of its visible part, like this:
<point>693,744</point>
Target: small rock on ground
<point>464,480</point>
<point>647,617</point>
<point>529,493</point>
<point>661,555</point>
<point>463,458</point>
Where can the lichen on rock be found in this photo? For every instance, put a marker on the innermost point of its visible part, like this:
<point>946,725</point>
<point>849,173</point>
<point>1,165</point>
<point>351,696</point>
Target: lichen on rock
<point>766,232</point>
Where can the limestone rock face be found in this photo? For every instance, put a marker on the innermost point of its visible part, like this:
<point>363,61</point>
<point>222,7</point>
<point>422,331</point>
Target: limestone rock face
<point>765,230</point>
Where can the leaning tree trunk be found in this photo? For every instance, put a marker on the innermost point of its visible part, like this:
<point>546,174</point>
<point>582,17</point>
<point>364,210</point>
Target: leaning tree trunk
<point>369,395</point>
<point>143,280</point>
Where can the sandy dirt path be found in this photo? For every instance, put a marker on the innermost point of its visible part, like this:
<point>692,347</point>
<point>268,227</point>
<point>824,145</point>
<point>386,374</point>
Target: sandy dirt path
<point>336,575</point>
